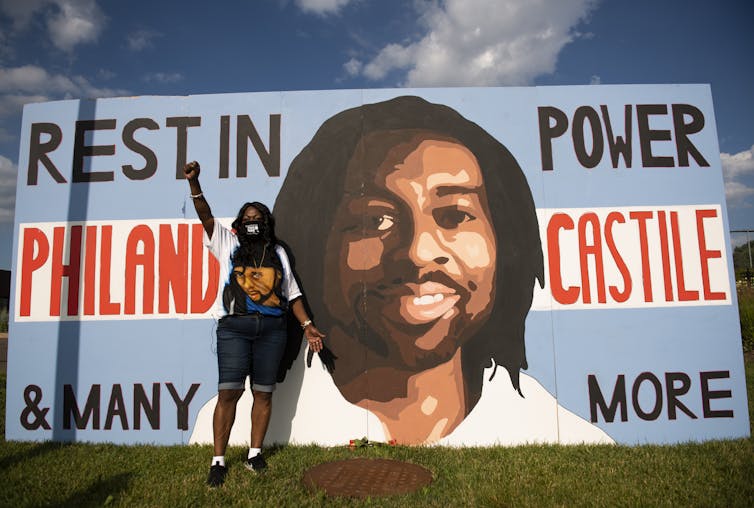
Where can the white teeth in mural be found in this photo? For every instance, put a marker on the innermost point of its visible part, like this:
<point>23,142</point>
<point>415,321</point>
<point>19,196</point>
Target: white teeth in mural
<point>428,299</point>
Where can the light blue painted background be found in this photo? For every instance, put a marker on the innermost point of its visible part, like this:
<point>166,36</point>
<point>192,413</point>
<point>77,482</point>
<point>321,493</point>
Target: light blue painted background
<point>563,347</point>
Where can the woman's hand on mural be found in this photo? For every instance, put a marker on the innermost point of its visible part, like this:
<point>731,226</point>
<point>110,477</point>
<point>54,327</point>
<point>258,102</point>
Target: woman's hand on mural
<point>192,170</point>
<point>314,337</point>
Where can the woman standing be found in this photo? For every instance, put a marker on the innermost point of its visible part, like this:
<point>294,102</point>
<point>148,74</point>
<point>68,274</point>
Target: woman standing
<point>257,288</point>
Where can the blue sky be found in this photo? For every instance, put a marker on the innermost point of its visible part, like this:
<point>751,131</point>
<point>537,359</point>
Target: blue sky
<point>59,49</point>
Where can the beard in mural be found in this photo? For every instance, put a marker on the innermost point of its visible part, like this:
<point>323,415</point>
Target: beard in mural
<point>417,236</point>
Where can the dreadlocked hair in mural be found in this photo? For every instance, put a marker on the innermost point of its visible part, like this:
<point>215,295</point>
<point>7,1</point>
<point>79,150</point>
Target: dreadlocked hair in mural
<point>315,181</point>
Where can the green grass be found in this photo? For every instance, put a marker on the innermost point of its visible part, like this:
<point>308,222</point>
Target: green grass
<point>717,473</point>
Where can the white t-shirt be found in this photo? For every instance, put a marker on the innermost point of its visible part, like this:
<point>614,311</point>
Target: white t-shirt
<point>308,408</point>
<point>222,245</point>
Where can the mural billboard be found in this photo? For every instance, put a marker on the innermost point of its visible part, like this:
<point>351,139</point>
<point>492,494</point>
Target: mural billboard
<point>490,266</point>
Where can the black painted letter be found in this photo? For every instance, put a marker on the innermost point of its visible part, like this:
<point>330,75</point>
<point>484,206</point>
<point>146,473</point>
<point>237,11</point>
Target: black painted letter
<point>150,166</point>
<point>548,132</point>
<point>618,400</point>
<point>71,408</point>
<point>80,150</point>
<point>182,405</point>
<point>38,151</point>
<point>708,394</point>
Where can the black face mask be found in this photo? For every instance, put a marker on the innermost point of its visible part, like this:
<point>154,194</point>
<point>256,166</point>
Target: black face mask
<point>253,229</point>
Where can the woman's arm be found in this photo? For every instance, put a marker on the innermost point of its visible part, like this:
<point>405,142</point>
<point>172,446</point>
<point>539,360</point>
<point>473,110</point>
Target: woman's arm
<point>313,336</point>
<point>192,170</point>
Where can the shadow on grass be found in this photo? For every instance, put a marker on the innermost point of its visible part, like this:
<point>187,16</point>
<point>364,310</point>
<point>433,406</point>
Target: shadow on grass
<point>102,492</point>
<point>30,453</point>
<point>270,451</point>
<point>240,454</point>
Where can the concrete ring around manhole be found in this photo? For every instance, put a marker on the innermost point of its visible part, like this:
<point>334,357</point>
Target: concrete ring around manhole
<point>366,477</point>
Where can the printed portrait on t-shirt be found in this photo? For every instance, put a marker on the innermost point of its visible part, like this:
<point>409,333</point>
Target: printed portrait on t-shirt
<point>258,284</point>
<point>255,271</point>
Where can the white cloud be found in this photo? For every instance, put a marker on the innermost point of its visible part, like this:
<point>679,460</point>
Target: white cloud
<point>322,7</point>
<point>163,77</point>
<point>353,67</point>
<point>21,11</point>
<point>141,39</point>
<point>738,167</point>
<point>8,174</point>
<point>736,193</point>
<point>69,22</point>
<point>483,42</point>
<point>392,56</point>
<point>76,22</point>
<point>31,79</point>
<point>595,80</point>
<point>13,104</point>
<point>30,83</point>
<point>739,164</point>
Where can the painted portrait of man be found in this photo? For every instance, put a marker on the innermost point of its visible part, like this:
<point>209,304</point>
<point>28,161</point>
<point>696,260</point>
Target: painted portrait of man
<point>420,250</point>
<point>417,241</point>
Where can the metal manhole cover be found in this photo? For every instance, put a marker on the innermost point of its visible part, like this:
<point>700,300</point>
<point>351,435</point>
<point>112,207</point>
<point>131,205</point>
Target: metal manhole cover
<point>366,477</point>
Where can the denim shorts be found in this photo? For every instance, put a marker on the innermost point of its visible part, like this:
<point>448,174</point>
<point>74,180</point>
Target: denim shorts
<point>250,345</point>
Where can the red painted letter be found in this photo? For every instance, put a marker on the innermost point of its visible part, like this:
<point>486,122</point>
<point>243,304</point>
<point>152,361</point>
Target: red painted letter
<point>34,240</point>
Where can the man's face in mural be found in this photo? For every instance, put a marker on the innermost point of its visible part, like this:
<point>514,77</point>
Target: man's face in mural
<point>414,248</point>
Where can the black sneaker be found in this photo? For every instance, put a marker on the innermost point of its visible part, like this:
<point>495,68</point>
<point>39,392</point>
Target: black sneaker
<point>256,463</point>
<point>216,475</point>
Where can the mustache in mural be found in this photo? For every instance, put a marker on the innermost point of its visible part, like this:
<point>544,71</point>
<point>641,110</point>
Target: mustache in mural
<point>410,302</point>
